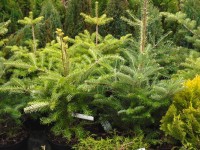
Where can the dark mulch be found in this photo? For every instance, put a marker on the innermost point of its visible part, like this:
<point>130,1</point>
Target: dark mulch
<point>10,136</point>
<point>59,140</point>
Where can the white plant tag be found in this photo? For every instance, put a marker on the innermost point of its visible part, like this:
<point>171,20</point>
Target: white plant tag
<point>106,125</point>
<point>141,149</point>
<point>82,116</point>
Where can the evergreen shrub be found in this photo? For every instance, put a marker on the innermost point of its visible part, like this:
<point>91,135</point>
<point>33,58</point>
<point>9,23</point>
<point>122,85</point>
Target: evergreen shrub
<point>182,120</point>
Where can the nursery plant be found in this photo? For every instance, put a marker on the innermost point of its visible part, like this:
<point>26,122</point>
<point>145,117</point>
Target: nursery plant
<point>130,97</point>
<point>11,105</point>
<point>25,65</point>
<point>62,96</point>
<point>56,71</point>
<point>133,93</point>
<point>182,118</point>
<point>20,65</point>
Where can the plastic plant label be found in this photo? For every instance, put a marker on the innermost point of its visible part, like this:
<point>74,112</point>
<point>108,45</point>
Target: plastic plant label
<point>106,125</point>
<point>141,149</point>
<point>82,116</point>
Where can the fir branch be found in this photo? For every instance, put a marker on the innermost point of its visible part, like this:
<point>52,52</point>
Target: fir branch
<point>3,27</point>
<point>30,21</point>
<point>36,106</point>
<point>97,21</point>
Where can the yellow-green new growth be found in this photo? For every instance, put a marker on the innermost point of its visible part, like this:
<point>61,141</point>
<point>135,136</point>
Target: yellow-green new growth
<point>29,20</point>
<point>3,27</point>
<point>182,118</point>
<point>63,41</point>
<point>32,22</point>
<point>3,30</point>
<point>98,21</point>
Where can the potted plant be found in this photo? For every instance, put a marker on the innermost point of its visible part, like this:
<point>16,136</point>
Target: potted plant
<point>131,95</point>
<point>53,76</point>
<point>61,92</point>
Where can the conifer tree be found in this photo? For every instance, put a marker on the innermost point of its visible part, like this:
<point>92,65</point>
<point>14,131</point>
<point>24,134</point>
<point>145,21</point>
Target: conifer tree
<point>32,22</point>
<point>55,75</point>
<point>97,21</point>
<point>133,91</point>
<point>81,61</point>
<point>10,104</point>
<point>62,94</point>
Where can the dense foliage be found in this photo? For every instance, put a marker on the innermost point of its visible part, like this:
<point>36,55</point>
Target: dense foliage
<point>121,61</point>
<point>116,142</point>
<point>182,118</point>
